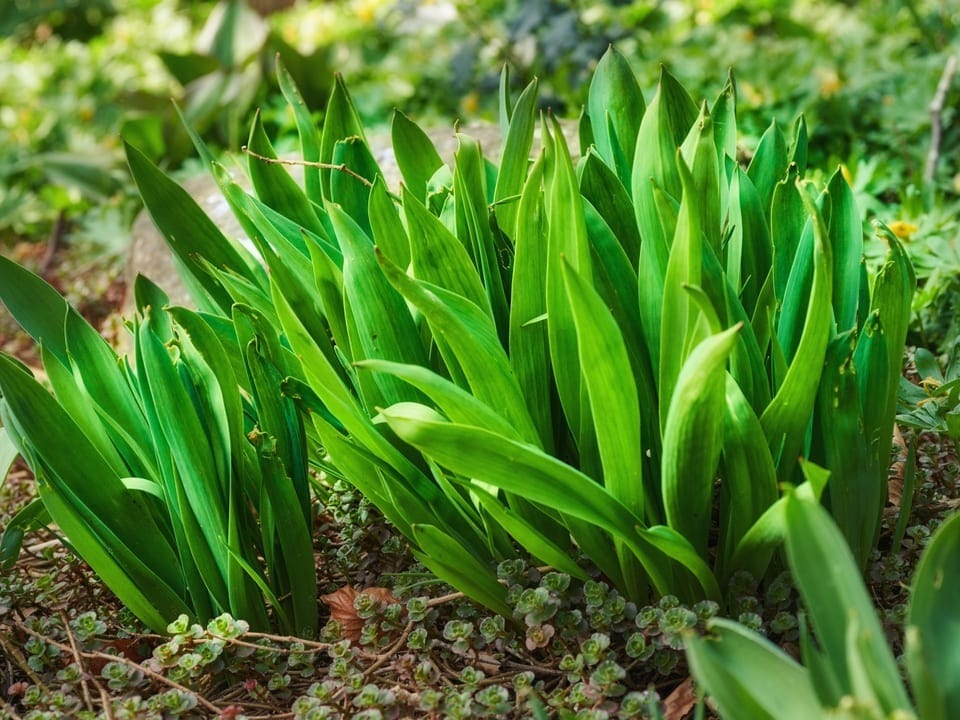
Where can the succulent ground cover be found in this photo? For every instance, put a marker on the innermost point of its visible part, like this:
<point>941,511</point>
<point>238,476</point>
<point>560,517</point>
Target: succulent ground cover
<point>418,650</point>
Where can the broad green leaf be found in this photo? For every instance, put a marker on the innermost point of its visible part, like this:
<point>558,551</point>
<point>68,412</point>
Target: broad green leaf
<point>467,339</point>
<point>723,111</point>
<point>146,595</point>
<point>933,634</point>
<point>748,268</point>
<point>681,328</point>
<point>828,579</point>
<point>566,241</point>
<point>341,121</point>
<point>452,563</point>
<point>196,466</point>
<point>700,153</point>
<point>274,185</point>
<point>456,403</point>
<point>437,255</point>
<point>74,467</point>
<point>416,156</point>
<point>474,229</point>
<point>350,184</point>
<point>748,677</point>
<point>785,419</point>
<point>298,568</point>
<point>36,306</point>
<point>788,218</point>
<point>306,129</point>
<point>749,484</point>
<point>515,160</point>
<point>853,496</point>
<point>78,404</point>
<point>612,392</point>
<point>769,163</point>
<point>600,186</point>
<point>324,379</point>
<point>846,240</point>
<point>615,106</point>
<point>692,438</point>
<point>387,230</point>
<point>188,231</point>
<point>385,328</point>
<point>528,342</point>
<point>666,123</point>
<point>525,470</point>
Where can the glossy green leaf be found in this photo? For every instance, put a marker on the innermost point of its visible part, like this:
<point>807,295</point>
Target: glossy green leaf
<point>452,563</point>
<point>526,471</point>
<point>692,438</point>
<point>474,229</point>
<point>515,160</point>
<point>749,484</point>
<point>274,185</point>
<point>416,156</point>
<point>601,187</point>
<point>769,163</point>
<point>188,231</point>
<point>933,634</point>
<point>467,339</point>
<point>785,419</point>
<point>665,124</point>
<point>341,121</point>
<point>611,390</point>
<point>616,107</point>
<point>846,240</point>
<point>566,241</point>
<point>827,577</point>
<point>437,255</point>
<point>384,326</point>
<point>748,677</point>
<point>528,341</point>
<point>307,131</point>
<point>350,185</point>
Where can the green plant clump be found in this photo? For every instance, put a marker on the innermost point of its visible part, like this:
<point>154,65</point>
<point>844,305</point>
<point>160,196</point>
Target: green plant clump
<point>851,673</point>
<point>551,354</point>
<point>180,477</point>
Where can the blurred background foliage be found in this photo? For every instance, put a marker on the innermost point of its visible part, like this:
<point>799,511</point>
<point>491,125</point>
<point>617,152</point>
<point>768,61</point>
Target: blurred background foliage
<point>76,75</point>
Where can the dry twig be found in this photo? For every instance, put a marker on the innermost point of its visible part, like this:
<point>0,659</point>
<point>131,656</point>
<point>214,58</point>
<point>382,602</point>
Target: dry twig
<point>936,119</point>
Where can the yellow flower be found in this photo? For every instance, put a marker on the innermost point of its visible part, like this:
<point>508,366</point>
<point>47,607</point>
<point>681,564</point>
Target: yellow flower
<point>830,82</point>
<point>903,229</point>
<point>470,103</point>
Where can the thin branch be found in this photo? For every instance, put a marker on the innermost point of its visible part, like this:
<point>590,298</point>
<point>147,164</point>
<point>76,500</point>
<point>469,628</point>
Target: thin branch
<point>308,163</point>
<point>936,120</point>
<point>76,656</point>
<point>18,659</point>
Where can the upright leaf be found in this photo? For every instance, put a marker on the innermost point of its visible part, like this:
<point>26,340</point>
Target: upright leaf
<point>615,106</point>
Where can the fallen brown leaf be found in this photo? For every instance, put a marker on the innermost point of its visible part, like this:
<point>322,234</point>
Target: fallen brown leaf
<point>895,479</point>
<point>341,604</point>
<point>680,702</point>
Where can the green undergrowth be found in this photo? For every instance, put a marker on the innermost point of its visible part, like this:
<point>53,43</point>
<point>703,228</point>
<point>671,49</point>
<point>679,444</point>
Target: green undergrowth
<point>425,652</point>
